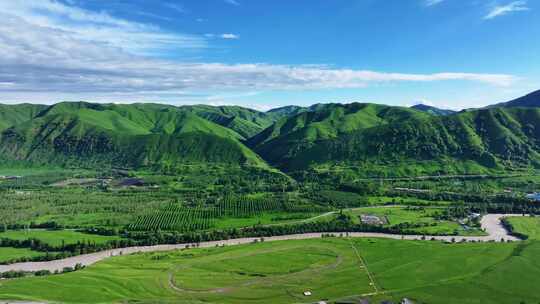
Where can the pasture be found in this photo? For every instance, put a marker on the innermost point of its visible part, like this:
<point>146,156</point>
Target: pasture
<point>529,226</point>
<point>9,253</point>
<point>422,220</point>
<point>56,238</point>
<point>279,272</point>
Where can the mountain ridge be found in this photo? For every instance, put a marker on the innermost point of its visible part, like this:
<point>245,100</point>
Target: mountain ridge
<point>432,110</point>
<point>373,138</point>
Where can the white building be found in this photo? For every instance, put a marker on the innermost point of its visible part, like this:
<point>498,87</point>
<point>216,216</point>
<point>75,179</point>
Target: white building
<point>534,196</point>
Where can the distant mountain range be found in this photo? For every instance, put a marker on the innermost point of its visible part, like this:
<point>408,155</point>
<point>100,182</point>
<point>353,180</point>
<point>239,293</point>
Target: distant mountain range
<point>432,110</point>
<point>359,138</point>
<point>529,100</point>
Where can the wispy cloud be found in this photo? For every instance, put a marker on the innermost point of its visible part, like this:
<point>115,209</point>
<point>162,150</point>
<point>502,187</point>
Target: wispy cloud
<point>433,2</point>
<point>500,10</point>
<point>229,36</point>
<point>176,7</point>
<point>154,16</point>
<point>232,2</point>
<point>99,28</point>
<point>52,49</point>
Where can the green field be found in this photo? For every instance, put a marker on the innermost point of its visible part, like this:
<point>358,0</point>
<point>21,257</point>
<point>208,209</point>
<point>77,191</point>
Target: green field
<point>279,272</point>
<point>396,215</point>
<point>8,253</point>
<point>529,226</point>
<point>56,237</point>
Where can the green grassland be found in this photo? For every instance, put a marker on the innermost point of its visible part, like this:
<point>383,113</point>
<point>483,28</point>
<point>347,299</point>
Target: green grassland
<point>413,201</point>
<point>56,237</point>
<point>529,226</point>
<point>8,253</point>
<point>279,272</point>
<point>399,215</point>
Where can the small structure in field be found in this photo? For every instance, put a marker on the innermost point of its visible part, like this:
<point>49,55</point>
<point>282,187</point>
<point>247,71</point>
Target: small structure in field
<point>132,182</point>
<point>372,219</point>
<point>534,196</point>
<point>307,293</point>
<point>10,177</point>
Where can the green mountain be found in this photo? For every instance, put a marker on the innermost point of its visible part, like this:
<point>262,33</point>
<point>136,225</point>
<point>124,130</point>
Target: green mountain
<point>289,135</point>
<point>360,139</point>
<point>11,115</point>
<point>138,135</point>
<point>432,110</point>
<point>474,141</point>
<point>246,122</point>
<point>285,111</point>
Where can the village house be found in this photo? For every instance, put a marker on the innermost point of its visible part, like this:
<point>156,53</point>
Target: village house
<point>534,196</point>
<point>371,220</point>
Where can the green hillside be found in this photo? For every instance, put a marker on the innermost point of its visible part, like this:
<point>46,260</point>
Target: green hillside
<point>474,141</point>
<point>11,115</point>
<point>432,110</point>
<point>291,135</point>
<point>278,113</point>
<point>371,139</point>
<point>246,122</point>
<point>140,135</point>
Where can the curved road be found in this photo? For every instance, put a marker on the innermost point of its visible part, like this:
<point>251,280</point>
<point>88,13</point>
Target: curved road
<point>491,223</point>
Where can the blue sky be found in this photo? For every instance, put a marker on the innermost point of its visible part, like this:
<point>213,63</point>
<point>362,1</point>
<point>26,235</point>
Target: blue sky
<point>263,54</point>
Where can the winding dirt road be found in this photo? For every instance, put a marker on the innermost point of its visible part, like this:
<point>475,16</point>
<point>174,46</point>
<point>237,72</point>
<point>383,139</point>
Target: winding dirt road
<point>491,223</point>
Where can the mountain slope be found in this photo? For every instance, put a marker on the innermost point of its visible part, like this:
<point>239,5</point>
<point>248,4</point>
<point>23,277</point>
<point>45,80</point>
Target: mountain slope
<point>246,122</point>
<point>285,111</point>
<point>11,115</point>
<point>328,121</point>
<point>432,110</point>
<point>365,139</point>
<point>474,141</point>
<point>141,135</point>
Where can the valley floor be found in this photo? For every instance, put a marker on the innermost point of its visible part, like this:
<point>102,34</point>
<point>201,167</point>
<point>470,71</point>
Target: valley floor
<point>331,269</point>
<point>491,223</point>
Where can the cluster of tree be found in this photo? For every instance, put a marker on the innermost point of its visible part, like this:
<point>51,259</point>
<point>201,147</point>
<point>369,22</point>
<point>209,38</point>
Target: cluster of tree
<point>19,274</point>
<point>481,203</point>
<point>341,224</point>
<point>62,251</point>
<point>12,274</point>
<point>45,225</point>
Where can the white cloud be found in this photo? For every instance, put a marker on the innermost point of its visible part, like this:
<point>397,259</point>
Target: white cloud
<point>500,10</point>
<point>229,36</point>
<point>232,2</point>
<point>176,7</point>
<point>47,48</point>
<point>97,28</point>
<point>432,2</point>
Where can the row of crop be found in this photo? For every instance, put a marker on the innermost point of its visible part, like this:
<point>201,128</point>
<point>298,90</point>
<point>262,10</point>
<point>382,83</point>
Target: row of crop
<point>175,217</point>
<point>179,217</point>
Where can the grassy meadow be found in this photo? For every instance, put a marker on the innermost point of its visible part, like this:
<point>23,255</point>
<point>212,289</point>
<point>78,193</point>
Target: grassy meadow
<point>56,237</point>
<point>529,226</point>
<point>279,272</point>
<point>9,253</point>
